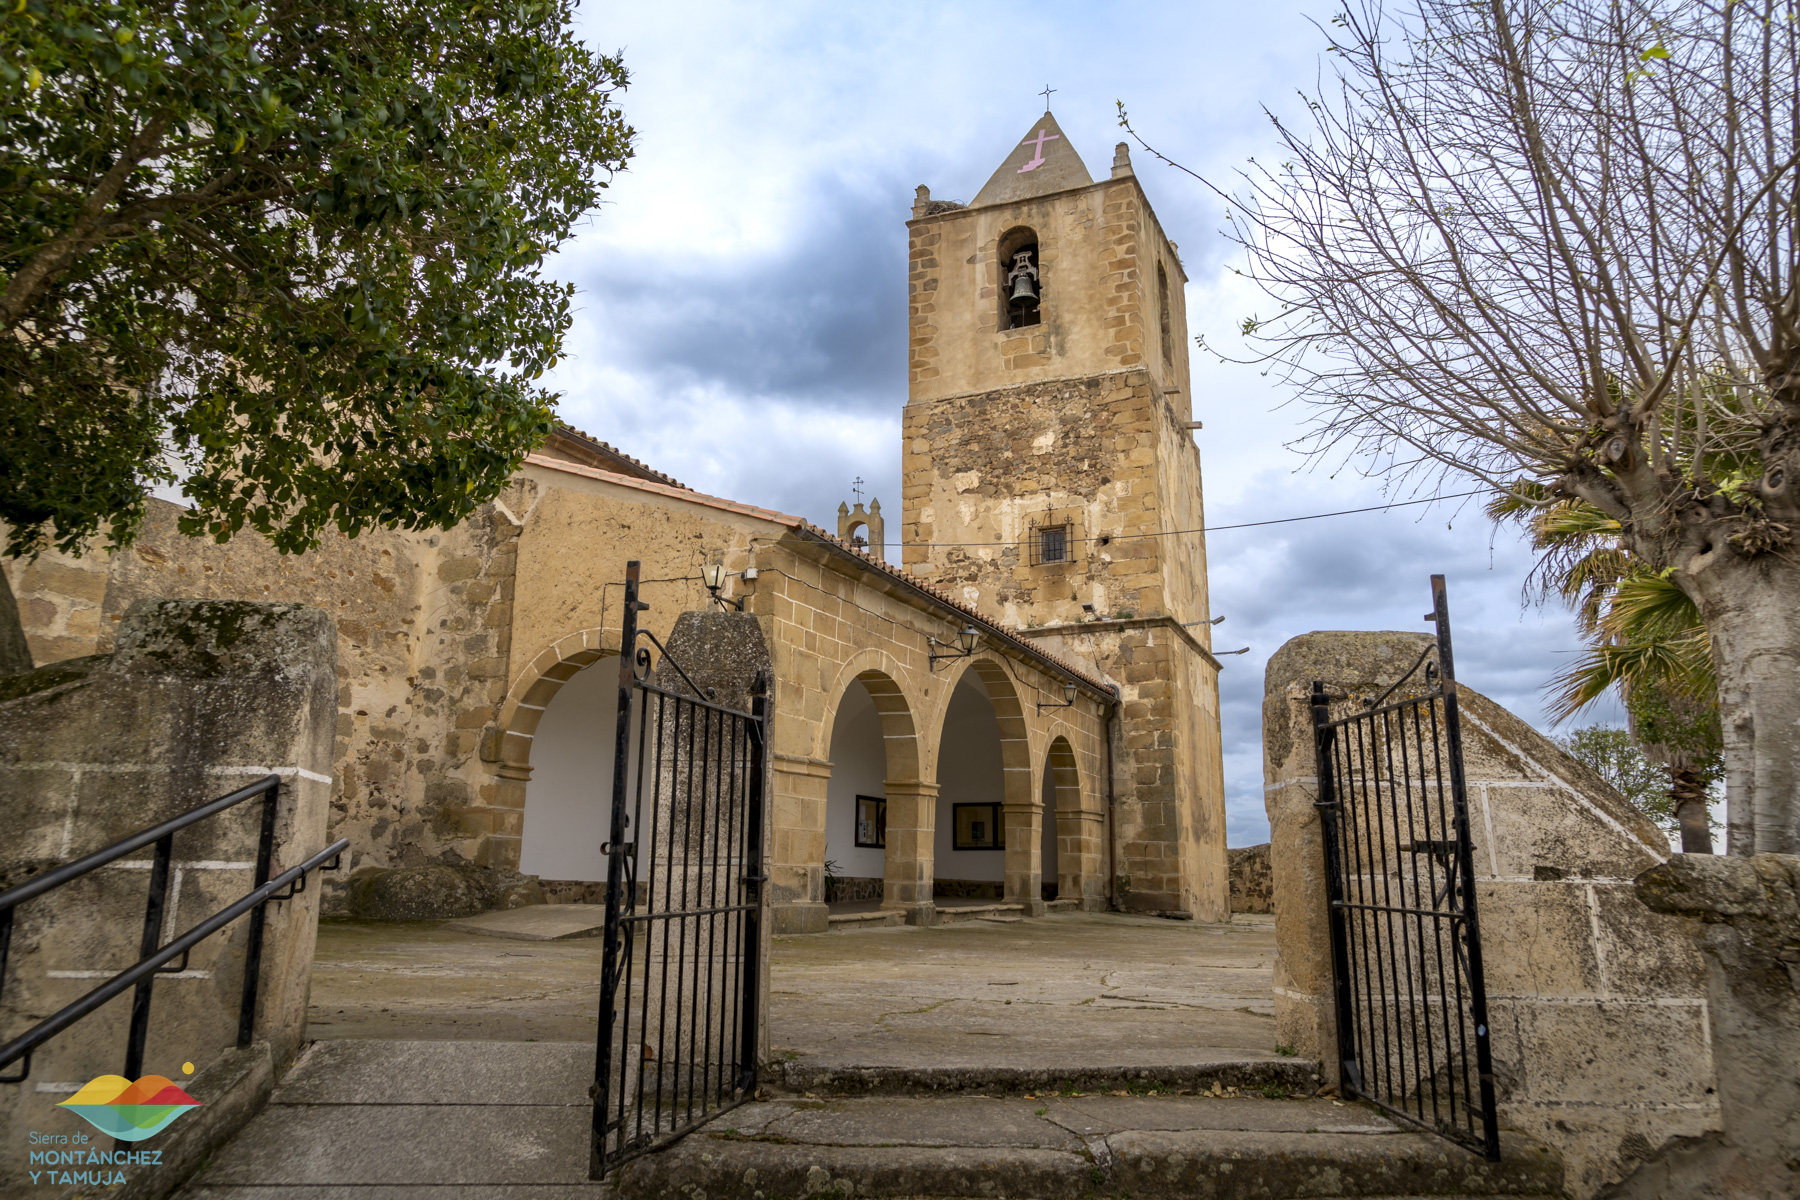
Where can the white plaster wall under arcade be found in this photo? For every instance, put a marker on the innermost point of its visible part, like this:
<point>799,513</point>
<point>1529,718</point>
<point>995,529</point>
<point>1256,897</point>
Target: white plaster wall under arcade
<point>568,800</point>
<point>971,789</point>
<point>854,799</point>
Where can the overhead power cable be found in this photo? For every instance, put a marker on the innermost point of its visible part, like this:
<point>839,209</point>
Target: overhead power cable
<point>1126,537</point>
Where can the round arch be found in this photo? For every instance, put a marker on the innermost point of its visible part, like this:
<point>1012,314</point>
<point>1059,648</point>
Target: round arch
<point>1021,868</point>
<point>521,714</point>
<point>1009,710</point>
<point>880,676</point>
<point>536,685</point>
<point>880,762</point>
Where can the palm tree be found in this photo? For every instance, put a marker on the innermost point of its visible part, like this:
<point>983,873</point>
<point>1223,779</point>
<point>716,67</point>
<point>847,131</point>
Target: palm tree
<point>1645,639</point>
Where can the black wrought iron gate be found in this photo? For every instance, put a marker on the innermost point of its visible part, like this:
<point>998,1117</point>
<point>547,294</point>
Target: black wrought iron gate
<point>1411,1004</point>
<point>679,984</point>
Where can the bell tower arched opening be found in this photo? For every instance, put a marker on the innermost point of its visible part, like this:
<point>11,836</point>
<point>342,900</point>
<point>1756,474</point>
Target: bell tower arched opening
<point>1021,278</point>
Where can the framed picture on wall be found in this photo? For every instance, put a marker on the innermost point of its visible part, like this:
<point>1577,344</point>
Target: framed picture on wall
<point>978,827</point>
<point>871,822</point>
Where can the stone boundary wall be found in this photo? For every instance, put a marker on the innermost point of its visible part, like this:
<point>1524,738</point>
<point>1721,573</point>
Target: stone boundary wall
<point>199,699</point>
<point>1598,1006</point>
<point>843,889</point>
<point>968,889</point>
<point>1252,880</point>
<point>1744,915</point>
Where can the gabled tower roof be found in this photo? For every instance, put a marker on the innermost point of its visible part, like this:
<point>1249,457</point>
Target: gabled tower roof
<point>1042,163</point>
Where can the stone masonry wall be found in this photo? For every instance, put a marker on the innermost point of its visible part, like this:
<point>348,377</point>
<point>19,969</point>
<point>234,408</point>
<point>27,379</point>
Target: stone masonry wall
<point>1252,884</point>
<point>1598,1006</point>
<point>199,700</point>
<point>423,635</point>
<point>450,644</point>
<point>1168,768</point>
<point>989,467</point>
<point>1744,915</point>
<point>1098,246</point>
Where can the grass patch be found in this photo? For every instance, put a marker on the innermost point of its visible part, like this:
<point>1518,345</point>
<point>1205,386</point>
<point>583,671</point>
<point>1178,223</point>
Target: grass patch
<point>1285,1049</point>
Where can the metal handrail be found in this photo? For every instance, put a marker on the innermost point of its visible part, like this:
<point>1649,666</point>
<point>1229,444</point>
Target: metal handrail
<point>137,841</point>
<point>153,953</point>
<point>52,1025</point>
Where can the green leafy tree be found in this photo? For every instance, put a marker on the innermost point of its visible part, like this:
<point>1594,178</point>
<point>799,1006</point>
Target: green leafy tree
<point>1613,754</point>
<point>288,252</point>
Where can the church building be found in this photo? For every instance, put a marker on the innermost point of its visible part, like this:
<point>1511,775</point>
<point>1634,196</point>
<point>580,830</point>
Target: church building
<point>1017,708</point>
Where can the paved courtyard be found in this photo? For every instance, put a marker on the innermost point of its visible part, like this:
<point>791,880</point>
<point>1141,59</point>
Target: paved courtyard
<point>1063,991</point>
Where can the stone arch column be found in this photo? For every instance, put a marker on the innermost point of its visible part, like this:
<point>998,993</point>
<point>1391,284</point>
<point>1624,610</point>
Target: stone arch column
<point>1079,830</point>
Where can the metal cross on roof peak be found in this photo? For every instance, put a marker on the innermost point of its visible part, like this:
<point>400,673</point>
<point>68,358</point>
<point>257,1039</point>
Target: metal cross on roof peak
<point>1046,95</point>
<point>856,489</point>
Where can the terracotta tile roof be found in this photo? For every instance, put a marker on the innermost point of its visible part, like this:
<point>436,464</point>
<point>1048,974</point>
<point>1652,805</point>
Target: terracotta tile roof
<point>831,541</point>
<point>943,597</point>
<point>589,450</point>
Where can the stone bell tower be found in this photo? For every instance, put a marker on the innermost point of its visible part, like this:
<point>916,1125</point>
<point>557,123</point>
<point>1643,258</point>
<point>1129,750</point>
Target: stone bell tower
<point>1048,462</point>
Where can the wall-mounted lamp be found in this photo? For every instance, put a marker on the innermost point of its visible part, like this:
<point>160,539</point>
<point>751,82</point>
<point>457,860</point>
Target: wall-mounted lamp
<point>965,638</point>
<point>1068,700</point>
<point>712,574</point>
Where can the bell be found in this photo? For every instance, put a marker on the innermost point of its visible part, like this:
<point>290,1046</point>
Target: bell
<point>1023,291</point>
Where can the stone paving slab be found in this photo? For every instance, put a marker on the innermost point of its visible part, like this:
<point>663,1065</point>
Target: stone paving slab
<point>412,1120</point>
<point>407,1072</point>
<point>537,922</point>
<point>463,1144</point>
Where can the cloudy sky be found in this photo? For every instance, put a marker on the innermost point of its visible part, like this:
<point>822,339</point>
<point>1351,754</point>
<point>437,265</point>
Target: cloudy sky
<point>743,295</point>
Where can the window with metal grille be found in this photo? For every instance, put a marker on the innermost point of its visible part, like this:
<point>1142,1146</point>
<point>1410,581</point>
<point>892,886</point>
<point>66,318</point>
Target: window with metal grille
<point>1053,544</point>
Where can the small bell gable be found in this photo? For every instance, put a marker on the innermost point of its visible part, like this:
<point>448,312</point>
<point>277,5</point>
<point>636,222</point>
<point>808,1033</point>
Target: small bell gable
<point>1041,163</point>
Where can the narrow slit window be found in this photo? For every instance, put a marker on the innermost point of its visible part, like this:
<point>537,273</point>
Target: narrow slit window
<point>1162,304</point>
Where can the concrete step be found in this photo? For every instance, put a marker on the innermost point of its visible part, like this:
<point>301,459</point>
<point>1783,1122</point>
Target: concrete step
<point>1282,1076</point>
<point>394,1120</point>
<point>1149,1147</point>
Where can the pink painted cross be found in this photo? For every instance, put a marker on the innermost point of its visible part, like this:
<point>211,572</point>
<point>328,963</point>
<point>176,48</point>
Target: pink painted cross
<point>1040,139</point>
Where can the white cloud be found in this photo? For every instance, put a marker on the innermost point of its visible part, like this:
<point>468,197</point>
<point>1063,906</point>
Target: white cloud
<point>741,323</point>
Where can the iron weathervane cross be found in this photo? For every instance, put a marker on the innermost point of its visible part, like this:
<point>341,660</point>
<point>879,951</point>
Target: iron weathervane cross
<point>856,489</point>
<point>1046,95</point>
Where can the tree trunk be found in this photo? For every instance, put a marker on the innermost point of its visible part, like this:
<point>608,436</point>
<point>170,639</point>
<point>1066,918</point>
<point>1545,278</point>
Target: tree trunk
<point>1689,794</point>
<point>15,654</point>
<point>1751,606</point>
